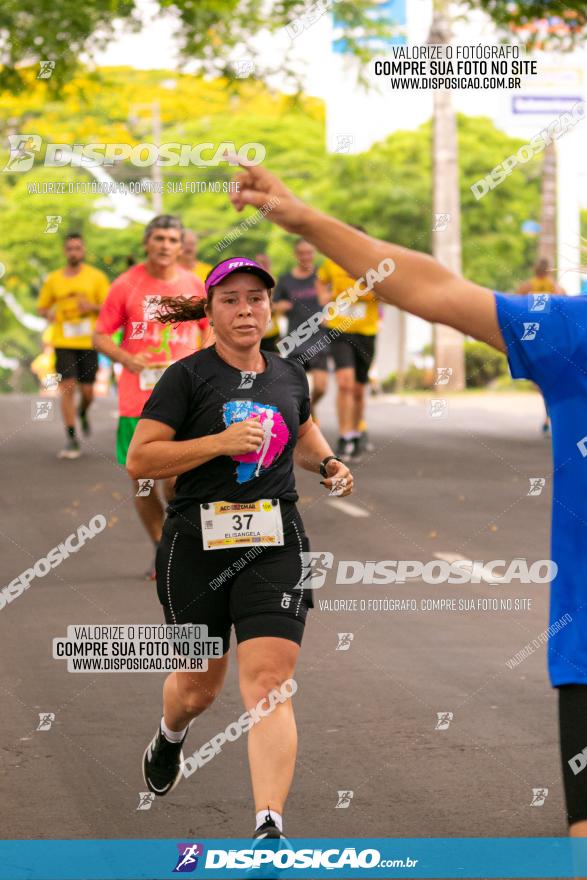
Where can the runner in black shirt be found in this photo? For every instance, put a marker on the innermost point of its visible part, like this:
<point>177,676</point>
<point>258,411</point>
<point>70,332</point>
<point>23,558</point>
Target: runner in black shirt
<point>297,297</point>
<point>227,421</point>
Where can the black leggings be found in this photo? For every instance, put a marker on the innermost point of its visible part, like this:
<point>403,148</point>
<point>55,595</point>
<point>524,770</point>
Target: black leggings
<point>573,739</point>
<point>256,590</point>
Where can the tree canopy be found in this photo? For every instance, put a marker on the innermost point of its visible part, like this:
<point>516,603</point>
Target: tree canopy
<point>209,31</point>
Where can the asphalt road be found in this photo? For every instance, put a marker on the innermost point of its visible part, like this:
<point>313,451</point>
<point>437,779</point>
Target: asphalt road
<point>367,716</point>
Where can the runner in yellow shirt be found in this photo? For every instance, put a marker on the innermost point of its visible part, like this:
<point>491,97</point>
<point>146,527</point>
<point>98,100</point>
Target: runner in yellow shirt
<point>70,299</point>
<point>542,281</point>
<point>189,256</point>
<point>352,349</point>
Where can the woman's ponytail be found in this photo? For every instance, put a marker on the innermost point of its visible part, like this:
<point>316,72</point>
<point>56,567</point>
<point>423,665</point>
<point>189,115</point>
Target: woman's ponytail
<point>179,308</point>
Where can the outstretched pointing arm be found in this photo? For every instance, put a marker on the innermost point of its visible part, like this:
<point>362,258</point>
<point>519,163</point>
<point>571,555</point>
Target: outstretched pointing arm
<point>419,284</point>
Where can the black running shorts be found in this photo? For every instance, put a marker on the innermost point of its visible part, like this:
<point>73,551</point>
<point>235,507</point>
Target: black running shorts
<point>254,589</point>
<point>354,350</point>
<point>573,740</point>
<point>77,363</point>
<point>312,361</point>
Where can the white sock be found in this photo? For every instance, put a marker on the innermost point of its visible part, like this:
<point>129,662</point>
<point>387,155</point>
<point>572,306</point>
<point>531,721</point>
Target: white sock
<point>261,818</point>
<point>172,736</point>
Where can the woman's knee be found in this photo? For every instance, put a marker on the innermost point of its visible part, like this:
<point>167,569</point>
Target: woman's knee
<point>257,684</point>
<point>196,695</point>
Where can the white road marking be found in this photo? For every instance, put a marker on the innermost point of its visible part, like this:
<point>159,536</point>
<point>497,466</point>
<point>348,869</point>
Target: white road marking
<point>478,570</point>
<point>348,507</point>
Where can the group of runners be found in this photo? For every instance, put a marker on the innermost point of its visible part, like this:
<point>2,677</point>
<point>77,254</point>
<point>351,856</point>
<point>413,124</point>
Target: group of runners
<point>73,299</point>
<point>210,411</point>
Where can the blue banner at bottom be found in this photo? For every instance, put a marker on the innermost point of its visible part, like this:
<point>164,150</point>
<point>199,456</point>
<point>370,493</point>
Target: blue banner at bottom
<point>298,858</point>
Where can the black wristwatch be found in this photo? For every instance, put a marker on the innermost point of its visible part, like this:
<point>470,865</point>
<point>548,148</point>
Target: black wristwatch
<point>324,462</point>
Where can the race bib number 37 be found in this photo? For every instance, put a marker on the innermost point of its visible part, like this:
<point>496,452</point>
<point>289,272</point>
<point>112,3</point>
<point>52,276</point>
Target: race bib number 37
<point>226,524</point>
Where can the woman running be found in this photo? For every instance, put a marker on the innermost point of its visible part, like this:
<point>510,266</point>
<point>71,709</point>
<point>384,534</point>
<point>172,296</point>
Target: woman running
<point>546,345</point>
<point>229,421</point>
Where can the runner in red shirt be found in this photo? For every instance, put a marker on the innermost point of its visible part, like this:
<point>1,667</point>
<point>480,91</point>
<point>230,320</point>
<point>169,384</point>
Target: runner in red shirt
<point>148,347</point>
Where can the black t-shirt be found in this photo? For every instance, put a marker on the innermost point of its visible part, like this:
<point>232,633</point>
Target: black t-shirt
<point>202,395</point>
<point>302,294</point>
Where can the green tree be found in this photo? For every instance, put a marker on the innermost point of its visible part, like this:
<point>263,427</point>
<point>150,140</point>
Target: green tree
<point>516,18</point>
<point>380,191</point>
<point>207,30</point>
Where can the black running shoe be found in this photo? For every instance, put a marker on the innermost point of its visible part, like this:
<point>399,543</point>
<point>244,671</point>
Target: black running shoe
<point>71,449</point>
<point>162,764</point>
<point>83,419</point>
<point>357,453</point>
<point>269,830</point>
<point>365,442</point>
<point>344,449</point>
<point>268,836</point>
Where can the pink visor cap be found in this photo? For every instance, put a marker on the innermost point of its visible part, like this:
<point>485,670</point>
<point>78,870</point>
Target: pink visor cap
<point>237,264</point>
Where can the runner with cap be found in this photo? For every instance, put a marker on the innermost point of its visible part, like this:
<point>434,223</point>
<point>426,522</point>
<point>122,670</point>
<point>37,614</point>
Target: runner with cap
<point>229,422</point>
<point>547,346</point>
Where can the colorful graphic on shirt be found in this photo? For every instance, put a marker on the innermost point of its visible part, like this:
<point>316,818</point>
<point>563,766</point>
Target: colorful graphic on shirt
<point>275,436</point>
<point>164,346</point>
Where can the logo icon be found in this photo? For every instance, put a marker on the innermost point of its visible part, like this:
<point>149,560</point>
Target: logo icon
<point>51,381</point>
<point>46,719</point>
<point>438,408</point>
<point>443,375</point>
<point>42,410</point>
<point>530,331</point>
<point>137,329</point>
<point>187,859</point>
<point>444,719</point>
<point>46,69</point>
<point>146,798</point>
<point>243,68</point>
<point>344,143</point>
<point>538,302</point>
<point>539,795</point>
<point>344,800</point>
<point>344,641</point>
<point>145,487</point>
<point>440,222</point>
<point>315,565</point>
<point>285,600</point>
<point>53,223</point>
<point>22,152</point>
<point>151,305</point>
<point>537,484</point>
<point>247,379</point>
